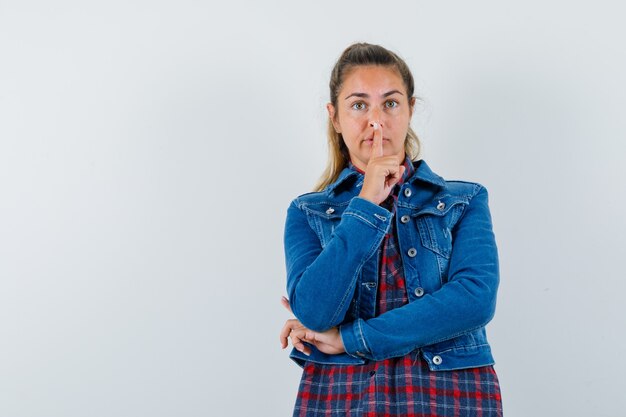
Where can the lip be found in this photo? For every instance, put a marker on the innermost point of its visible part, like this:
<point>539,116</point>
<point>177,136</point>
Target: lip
<point>372,140</point>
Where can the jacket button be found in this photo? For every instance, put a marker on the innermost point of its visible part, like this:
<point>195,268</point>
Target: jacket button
<point>441,206</point>
<point>437,360</point>
<point>405,219</point>
<point>412,252</point>
<point>419,291</point>
<point>330,210</point>
<point>407,192</point>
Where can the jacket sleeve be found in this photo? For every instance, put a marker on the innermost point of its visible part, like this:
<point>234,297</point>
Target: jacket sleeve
<point>464,303</point>
<point>321,281</point>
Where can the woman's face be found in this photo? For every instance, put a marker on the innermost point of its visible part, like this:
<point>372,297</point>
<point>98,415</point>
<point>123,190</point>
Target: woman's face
<point>372,94</point>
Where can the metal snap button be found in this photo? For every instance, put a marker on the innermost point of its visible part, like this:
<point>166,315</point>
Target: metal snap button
<point>419,291</point>
<point>405,219</point>
<point>437,360</point>
<point>441,206</point>
<point>407,192</point>
<point>412,252</point>
<point>330,210</point>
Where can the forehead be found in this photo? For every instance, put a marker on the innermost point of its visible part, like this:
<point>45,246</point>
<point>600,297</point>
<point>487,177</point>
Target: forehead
<point>373,79</point>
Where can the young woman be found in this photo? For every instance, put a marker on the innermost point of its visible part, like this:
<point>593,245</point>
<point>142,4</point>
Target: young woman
<point>392,271</point>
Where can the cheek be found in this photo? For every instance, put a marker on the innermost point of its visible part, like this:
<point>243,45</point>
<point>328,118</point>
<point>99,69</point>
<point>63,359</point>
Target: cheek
<point>353,118</point>
<point>354,126</point>
<point>398,129</point>
<point>400,121</point>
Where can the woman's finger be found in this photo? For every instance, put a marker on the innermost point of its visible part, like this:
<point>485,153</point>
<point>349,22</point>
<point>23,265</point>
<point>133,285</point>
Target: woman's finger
<point>298,338</point>
<point>288,328</point>
<point>395,176</point>
<point>285,302</point>
<point>295,331</point>
<point>285,331</point>
<point>377,145</point>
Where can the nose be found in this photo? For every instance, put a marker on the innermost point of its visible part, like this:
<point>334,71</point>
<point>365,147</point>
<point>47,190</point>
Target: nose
<point>375,115</point>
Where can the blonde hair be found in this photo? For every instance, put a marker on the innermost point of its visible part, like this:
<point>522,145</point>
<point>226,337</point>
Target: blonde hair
<point>360,54</point>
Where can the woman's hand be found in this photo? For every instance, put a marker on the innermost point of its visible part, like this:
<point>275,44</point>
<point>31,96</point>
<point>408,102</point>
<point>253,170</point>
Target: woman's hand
<point>328,342</point>
<point>382,172</point>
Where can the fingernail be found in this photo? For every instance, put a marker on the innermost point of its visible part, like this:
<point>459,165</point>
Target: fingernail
<point>375,126</point>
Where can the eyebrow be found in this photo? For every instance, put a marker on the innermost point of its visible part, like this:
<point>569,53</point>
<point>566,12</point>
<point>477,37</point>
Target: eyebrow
<point>364,95</point>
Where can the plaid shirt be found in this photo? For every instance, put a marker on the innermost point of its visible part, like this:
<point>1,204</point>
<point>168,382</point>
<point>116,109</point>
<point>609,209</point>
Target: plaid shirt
<point>400,386</point>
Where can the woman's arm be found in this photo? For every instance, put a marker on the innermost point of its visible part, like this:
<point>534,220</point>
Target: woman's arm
<point>466,302</point>
<point>321,282</point>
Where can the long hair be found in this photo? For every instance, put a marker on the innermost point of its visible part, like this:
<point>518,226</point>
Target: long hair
<point>361,54</point>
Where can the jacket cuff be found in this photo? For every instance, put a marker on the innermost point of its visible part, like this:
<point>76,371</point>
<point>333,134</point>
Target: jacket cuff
<point>369,213</point>
<point>353,339</point>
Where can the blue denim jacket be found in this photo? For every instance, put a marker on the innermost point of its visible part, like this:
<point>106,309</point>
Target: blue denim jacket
<point>450,260</point>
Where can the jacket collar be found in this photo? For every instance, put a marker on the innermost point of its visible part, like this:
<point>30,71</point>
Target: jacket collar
<point>422,173</point>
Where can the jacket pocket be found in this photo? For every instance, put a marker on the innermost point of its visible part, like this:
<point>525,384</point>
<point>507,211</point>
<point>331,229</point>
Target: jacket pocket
<point>324,218</point>
<point>435,224</point>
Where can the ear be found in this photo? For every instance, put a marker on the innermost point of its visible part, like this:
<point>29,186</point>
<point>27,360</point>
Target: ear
<point>411,106</point>
<point>331,115</point>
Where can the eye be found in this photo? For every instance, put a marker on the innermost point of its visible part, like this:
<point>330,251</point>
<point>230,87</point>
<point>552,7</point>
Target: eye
<point>358,105</point>
<point>390,104</point>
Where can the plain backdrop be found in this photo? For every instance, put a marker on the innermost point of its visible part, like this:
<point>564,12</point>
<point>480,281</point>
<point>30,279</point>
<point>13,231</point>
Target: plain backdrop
<point>149,151</point>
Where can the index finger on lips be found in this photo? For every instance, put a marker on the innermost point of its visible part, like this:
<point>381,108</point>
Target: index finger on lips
<point>377,145</point>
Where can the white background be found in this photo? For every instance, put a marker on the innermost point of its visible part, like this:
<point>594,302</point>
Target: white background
<point>149,150</point>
